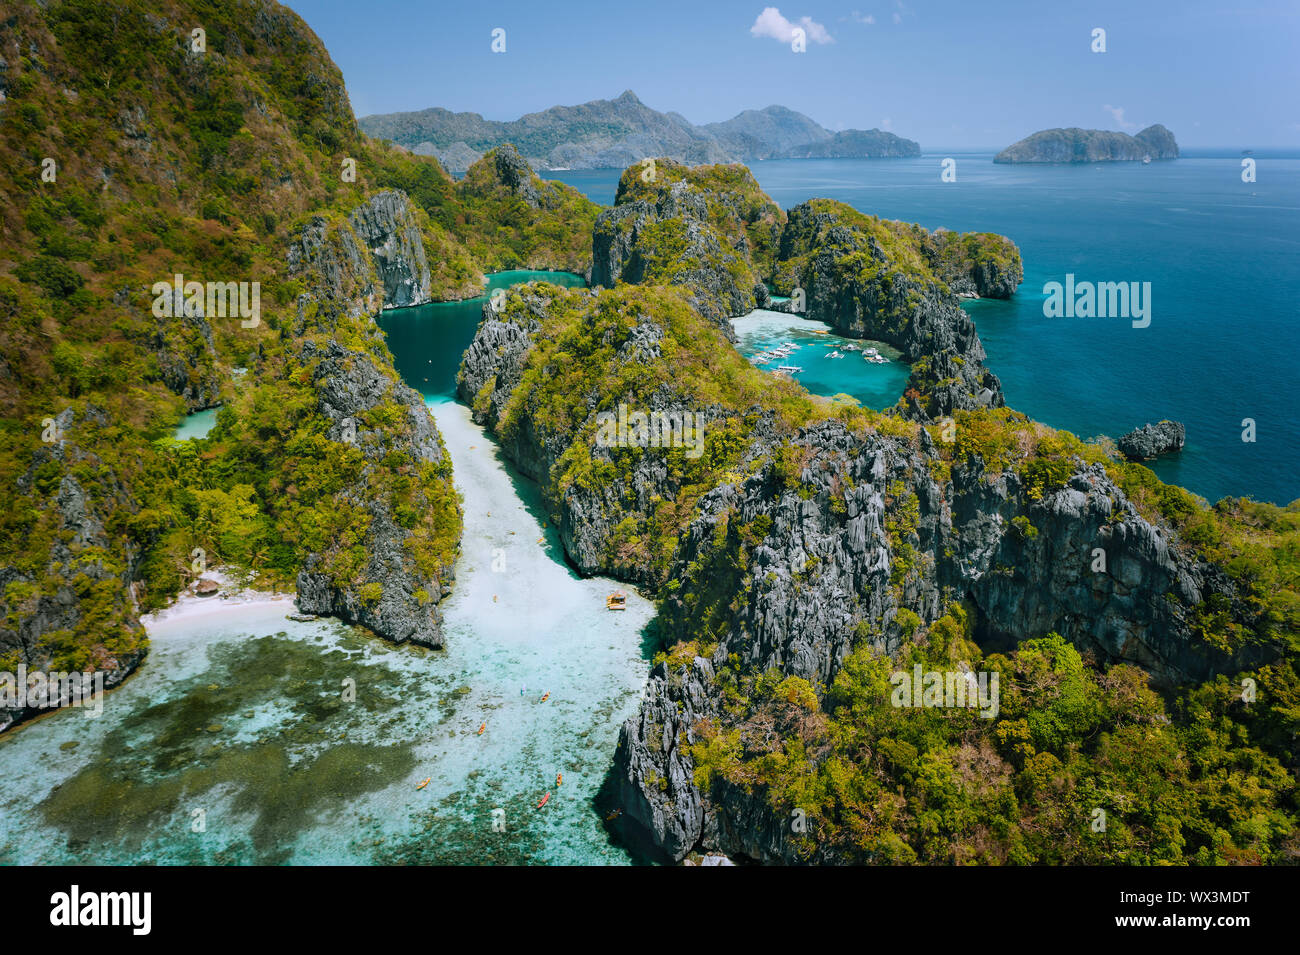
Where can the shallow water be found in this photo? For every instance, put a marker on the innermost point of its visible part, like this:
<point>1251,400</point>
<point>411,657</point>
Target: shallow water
<point>196,425</point>
<point>876,386</point>
<point>239,719</point>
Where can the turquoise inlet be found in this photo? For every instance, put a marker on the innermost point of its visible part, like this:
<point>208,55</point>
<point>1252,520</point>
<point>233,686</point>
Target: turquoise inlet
<point>1220,255</point>
<point>876,384</point>
<point>249,738</point>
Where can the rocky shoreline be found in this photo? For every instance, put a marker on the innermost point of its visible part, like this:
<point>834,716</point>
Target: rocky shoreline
<point>788,571</point>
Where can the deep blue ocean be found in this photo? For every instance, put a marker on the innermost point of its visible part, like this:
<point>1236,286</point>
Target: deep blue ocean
<point>1222,257</point>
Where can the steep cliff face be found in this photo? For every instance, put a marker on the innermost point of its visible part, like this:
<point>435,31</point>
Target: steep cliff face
<point>670,241</point>
<point>612,498</point>
<point>390,593</point>
<point>58,612</point>
<point>195,162</point>
<point>187,357</point>
<point>1159,142</point>
<point>510,218</point>
<point>814,568</point>
<point>982,264</point>
<point>386,224</point>
<point>868,278</point>
<point>367,408</point>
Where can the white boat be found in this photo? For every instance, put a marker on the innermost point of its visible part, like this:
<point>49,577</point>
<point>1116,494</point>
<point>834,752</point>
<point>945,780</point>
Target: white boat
<point>1146,160</point>
<point>835,354</point>
<point>789,369</point>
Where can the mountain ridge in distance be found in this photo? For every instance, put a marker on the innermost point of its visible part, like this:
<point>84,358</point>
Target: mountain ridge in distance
<point>619,132</point>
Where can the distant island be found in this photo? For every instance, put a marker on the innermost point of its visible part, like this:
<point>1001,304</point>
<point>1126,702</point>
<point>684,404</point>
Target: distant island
<point>1091,145</point>
<point>620,132</point>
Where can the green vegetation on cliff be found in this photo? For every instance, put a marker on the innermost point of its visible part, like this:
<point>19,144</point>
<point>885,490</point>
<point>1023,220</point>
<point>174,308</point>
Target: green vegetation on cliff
<point>1081,765</point>
<point>175,161</point>
<point>736,205</point>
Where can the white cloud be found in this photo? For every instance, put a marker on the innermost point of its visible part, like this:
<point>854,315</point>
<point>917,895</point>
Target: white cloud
<point>857,17</point>
<point>898,18</point>
<point>770,23</point>
<point>886,124</point>
<point>1117,113</point>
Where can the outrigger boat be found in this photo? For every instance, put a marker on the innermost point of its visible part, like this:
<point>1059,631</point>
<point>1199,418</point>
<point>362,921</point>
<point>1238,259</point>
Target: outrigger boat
<point>616,601</point>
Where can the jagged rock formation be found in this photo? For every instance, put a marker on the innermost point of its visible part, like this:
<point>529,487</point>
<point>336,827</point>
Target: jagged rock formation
<point>975,264</point>
<point>1152,440</point>
<point>350,385</point>
<point>864,277</point>
<point>588,511</point>
<point>517,220</point>
<point>187,356</point>
<point>707,230</point>
<point>714,232</point>
<point>806,546</point>
<point>1091,145</point>
<point>347,279</point>
<point>386,224</point>
<point>671,241</point>
<point>1025,565</point>
<point>788,570</point>
<point>619,132</point>
<point>85,579</point>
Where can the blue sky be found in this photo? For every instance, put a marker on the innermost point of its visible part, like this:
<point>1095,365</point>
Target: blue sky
<point>947,73</point>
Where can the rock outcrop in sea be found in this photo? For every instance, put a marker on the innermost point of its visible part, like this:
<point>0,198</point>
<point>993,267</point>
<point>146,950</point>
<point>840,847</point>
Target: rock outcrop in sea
<point>1153,440</point>
<point>1076,145</point>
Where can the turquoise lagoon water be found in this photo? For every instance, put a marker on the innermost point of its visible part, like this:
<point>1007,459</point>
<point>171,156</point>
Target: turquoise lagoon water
<point>196,425</point>
<point>1222,257</point>
<point>239,715</point>
<point>875,385</point>
<point>428,341</point>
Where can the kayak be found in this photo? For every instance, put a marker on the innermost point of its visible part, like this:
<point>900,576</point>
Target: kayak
<point>425,783</point>
<point>545,696</point>
<point>559,778</point>
<point>481,729</point>
<point>545,799</point>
